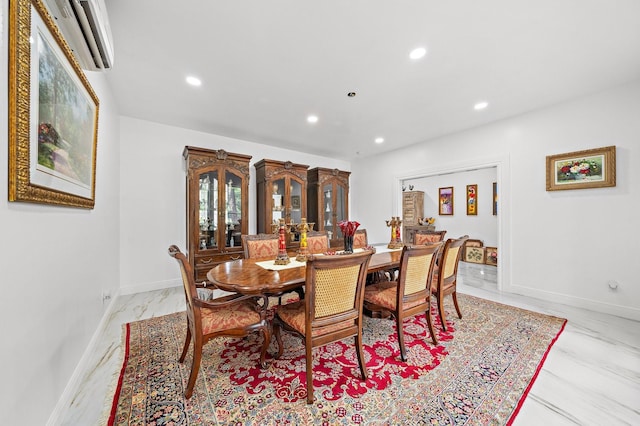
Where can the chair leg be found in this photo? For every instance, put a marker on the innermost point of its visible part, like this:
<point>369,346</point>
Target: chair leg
<point>195,366</point>
<point>360,353</point>
<point>309,360</point>
<point>185,349</point>
<point>454,295</point>
<point>441,312</point>
<point>276,332</point>
<point>400,331</point>
<point>266,335</point>
<point>430,324</point>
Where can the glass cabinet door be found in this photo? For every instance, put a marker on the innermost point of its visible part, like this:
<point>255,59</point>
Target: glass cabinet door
<point>327,207</point>
<point>341,206</point>
<point>277,201</point>
<point>208,220</point>
<point>233,214</point>
<point>295,200</point>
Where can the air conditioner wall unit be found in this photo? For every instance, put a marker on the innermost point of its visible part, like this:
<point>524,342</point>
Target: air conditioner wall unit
<point>85,26</point>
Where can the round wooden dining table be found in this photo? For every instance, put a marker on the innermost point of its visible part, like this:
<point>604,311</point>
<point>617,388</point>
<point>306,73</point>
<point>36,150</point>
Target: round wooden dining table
<point>245,276</point>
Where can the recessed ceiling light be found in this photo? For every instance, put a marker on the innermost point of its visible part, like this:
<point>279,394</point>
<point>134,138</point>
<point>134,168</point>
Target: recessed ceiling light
<point>312,119</point>
<point>379,140</point>
<point>480,105</point>
<point>194,81</point>
<point>418,53</point>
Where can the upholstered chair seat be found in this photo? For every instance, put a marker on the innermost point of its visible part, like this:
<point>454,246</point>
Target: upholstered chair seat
<point>240,315</point>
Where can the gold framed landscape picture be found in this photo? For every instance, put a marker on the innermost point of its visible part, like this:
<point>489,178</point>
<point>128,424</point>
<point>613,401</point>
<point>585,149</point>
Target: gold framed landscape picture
<point>591,168</point>
<point>53,110</point>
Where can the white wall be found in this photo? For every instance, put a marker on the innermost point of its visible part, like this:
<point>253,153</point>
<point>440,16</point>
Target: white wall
<point>55,262</point>
<point>482,226</point>
<point>153,195</point>
<point>561,245</point>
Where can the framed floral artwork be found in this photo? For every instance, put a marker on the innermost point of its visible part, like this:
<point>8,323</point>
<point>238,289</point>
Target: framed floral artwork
<point>53,110</point>
<point>445,201</point>
<point>474,254</point>
<point>592,168</point>
<point>491,256</point>
<point>472,200</point>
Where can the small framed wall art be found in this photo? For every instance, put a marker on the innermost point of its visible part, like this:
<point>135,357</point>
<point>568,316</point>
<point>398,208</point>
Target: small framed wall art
<point>295,202</point>
<point>491,256</point>
<point>495,198</point>
<point>445,201</point>
<point>591,168</point>
<point>472,200</point>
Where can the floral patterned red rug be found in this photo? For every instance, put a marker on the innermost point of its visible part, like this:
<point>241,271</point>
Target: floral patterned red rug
<point>479,373</point>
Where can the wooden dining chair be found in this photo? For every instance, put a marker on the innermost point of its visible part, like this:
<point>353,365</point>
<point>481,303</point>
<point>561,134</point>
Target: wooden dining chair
<point>360,239</point>
<point>229,316</point>
<point>331,310</point>
<point>422,236</point>
<point>446,277</point>
<point>257,246</point>
<point>317,242</point>
<point>410,294</point>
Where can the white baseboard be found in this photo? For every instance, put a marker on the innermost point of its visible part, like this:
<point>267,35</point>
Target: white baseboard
<point>157,285</point>
<point>578,302</point>
<point>74,382</point>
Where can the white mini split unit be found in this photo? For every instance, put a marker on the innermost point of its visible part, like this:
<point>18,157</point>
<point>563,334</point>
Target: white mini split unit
<point>85,26</point>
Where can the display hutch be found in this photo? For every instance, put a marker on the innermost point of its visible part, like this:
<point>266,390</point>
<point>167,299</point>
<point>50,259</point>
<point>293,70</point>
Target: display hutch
<point>217,207</point>
<point>328,201</point>
<point>412,207</point>
<point>282,194</point>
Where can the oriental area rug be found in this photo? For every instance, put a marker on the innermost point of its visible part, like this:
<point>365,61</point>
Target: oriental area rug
<point>479,373</point>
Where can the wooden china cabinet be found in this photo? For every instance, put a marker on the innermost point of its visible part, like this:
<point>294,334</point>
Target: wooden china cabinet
<point>329,201</point>
<point>282,194</point>
<point>217,207</point>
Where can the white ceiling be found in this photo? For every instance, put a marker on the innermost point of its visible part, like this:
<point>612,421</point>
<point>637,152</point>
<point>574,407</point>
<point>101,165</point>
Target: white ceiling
<point>266,65</point>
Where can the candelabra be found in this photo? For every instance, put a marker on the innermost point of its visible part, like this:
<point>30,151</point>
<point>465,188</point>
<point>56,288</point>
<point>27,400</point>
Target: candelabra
<point>291,229</point>
<point>396,240</point>
<point>303,227</point>
<point>282,258</point>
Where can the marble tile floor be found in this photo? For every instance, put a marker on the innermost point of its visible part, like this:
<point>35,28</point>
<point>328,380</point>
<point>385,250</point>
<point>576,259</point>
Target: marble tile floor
<point>591,375</point>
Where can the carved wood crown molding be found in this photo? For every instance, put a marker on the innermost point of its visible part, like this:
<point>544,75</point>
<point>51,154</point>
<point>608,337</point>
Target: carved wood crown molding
<point>221,158</point>
<point>289,168</point>
<point>335,174</point>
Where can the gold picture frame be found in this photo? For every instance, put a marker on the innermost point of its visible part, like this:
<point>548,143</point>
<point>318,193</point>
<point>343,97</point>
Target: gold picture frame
<point>472,200</point>
<point>53,114</point>
<point>445,201</point>
<point>591,168</point>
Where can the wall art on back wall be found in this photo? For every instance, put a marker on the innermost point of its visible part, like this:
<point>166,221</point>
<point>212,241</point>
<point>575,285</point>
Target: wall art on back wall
<point>472,200</point>
<point>53,138</point>
<point>592,168</point>
<point>445,201</point>
<point>495,198</point>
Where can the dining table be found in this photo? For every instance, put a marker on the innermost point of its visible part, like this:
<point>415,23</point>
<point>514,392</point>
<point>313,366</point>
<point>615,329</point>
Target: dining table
<point>256,277</point>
